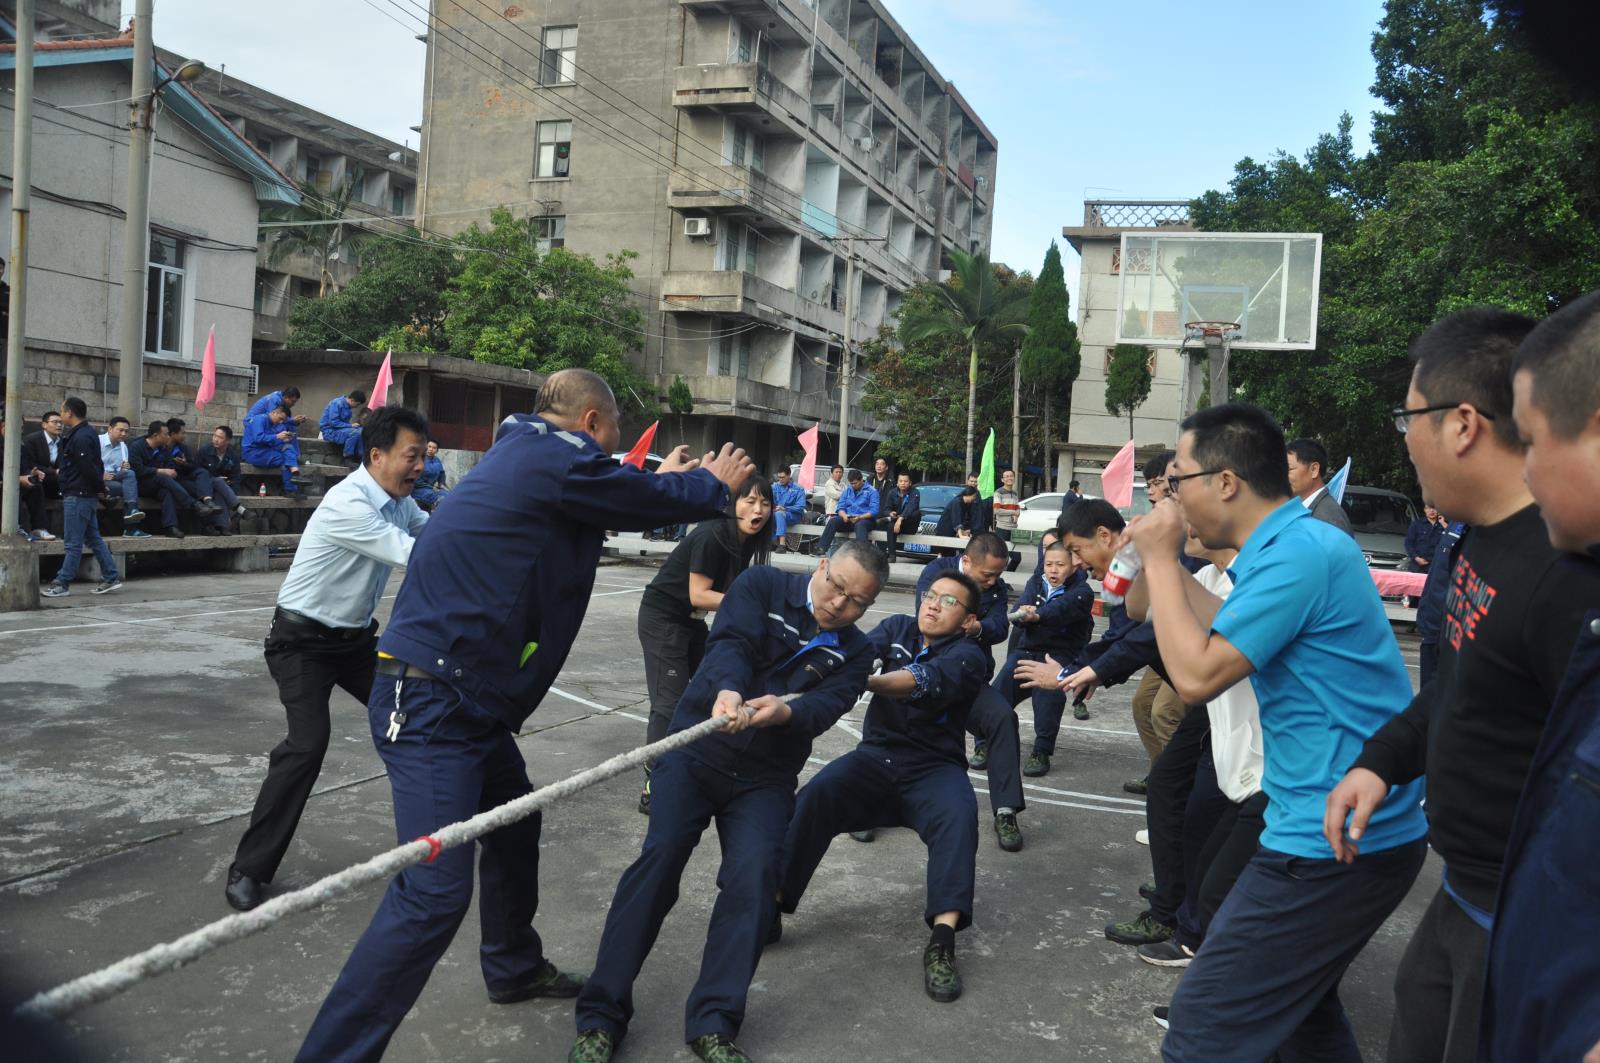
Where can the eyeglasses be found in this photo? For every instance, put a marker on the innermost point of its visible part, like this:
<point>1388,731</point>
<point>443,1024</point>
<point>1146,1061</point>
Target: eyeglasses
<point>1402,416</point>
<point>1175,481</point>
<point>841,592</point>
<point>948,601</point>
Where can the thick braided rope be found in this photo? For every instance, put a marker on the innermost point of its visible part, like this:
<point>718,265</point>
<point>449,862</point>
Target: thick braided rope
<point>109,981</point>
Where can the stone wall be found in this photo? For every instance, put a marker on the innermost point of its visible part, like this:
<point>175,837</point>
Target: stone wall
<point>52,371</point>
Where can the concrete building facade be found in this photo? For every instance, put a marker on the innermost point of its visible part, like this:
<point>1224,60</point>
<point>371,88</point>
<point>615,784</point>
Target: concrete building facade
<point>1094,435</point>
<point>746,151</point>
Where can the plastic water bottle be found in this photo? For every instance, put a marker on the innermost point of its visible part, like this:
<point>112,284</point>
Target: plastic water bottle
<point>263,492</point>
<point>1125,568</point>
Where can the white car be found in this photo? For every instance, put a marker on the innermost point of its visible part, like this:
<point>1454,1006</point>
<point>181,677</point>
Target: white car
<point>1040,513</point>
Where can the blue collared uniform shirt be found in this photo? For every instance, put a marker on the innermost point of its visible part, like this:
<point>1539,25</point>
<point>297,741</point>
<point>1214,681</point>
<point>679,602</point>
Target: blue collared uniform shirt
<point>931,721</point>
<point>335,416</point>
<point>858,502</point>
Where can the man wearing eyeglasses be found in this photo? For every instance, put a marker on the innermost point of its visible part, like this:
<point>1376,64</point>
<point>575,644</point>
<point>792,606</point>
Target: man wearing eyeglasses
<point>1305,624</point>
<point>1512,610</point>
<point>784,661</point>
<point>1308,466</point>
<point>910,770</point>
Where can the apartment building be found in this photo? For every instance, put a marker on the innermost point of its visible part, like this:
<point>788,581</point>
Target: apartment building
<point>1094,435</point>
<point>784,169</point>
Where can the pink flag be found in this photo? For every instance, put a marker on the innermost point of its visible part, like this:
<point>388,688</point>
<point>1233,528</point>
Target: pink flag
<point>208,372</point>
<point>636,456</point>
<point>1117,479</point>
<point>380,387</point>
<point>808,464</point>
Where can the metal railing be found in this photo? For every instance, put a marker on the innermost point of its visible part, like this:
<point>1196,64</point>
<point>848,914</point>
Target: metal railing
<point>1135,213</point>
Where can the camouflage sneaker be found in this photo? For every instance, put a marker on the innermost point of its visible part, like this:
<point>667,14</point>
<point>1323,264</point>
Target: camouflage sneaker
<point>1144,929</point>
<point>592,1046</point>
<point>715,1048</point>
<point>979,759</point>
<point>939,975</point>
<point>1038,764</point>
<point>1147,890</point>
<point>1080,711</point>
<point>549,982</point>
<point>1007,832</point>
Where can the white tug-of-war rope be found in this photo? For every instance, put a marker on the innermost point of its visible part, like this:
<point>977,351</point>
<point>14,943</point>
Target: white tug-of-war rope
<point>108,982</point>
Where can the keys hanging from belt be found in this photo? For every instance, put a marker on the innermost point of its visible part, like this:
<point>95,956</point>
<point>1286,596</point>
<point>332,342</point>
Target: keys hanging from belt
<point>396,718</point>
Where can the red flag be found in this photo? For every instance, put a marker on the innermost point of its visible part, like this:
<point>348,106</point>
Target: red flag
<point>1117,479</point>
<point>380,387</point>
<point>635,457</point>
<point>808,464</point>
<point>208,372</point>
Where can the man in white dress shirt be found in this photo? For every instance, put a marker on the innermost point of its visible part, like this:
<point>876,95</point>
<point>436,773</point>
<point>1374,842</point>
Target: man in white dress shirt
<point>323,634</point>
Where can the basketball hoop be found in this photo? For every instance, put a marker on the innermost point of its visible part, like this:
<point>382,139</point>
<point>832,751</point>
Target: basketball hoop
<point>1211,331</point>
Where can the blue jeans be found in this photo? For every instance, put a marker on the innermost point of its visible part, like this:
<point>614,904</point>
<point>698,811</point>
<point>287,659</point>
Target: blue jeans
<point>81,527</point>
<point>126,487</point>
<point>1267,978</point>
<point>450,761</point>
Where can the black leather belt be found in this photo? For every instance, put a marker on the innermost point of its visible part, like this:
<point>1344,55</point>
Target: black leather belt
<point>299,623</point>
<point>399,669</point>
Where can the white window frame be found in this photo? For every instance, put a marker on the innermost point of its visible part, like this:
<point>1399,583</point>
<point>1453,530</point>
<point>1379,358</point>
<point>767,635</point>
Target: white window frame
<point>548,138</point>
<point>549,232</point>
<point>163,277</point>
<point>560,54</point>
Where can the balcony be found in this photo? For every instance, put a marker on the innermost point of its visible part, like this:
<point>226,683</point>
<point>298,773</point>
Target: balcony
<point>740,87</point>
<point>736,292</point>
<point>734,189</point>
<point>742,397</point>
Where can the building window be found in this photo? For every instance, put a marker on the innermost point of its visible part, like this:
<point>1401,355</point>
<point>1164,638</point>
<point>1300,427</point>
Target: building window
<point>747,149</point>
<point>397,201</point>
<point>358,186</point>
<point>741,250</point>
<point>163,317</point>
<point>316,176</point>
<point>733,352</point>
<point>555,149</point>
<point>263,145</point>
<point>560,65</point>
<point>549,231</point>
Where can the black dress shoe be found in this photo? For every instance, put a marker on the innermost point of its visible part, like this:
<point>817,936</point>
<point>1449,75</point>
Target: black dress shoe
<point>243,892</point>
<point>548,981</point>
<point>174,532</point>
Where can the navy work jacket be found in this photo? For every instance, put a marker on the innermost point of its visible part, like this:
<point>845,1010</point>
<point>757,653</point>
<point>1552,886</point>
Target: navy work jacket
<point>1066,616</point>
<point>224,466</point>
<point>496,590</point>
<point>992,606</point>
<point>762,643</point>
<point>78,462</point>
<point>932,721</point>
<point>1540,1000</point>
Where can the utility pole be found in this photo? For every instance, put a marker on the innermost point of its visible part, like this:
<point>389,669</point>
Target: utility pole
<point>18,568</point>
<point>847,360</point>
<point>1016,418</point>
<point>136,229</point>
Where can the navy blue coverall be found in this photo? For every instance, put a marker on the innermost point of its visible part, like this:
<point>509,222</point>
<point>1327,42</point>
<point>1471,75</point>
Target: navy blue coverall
<point>1066,620</point>
<point>910,770</point>
<point>765,641</point>
<point>992,723</point>
<point>493,599</point>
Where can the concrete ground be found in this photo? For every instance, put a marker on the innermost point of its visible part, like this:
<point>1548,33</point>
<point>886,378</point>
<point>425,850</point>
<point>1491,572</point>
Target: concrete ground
<point>138,728</point>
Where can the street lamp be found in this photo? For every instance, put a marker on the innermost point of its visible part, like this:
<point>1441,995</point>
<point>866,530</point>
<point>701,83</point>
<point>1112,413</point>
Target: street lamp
<point>186,73</point>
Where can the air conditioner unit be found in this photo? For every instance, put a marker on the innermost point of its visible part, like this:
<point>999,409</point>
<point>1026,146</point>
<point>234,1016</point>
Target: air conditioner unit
<point>866,143</point>
<point>697,226</point>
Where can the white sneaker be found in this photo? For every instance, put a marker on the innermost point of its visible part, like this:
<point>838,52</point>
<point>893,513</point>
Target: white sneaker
<point>1142,837</point>
<point>40,533</point>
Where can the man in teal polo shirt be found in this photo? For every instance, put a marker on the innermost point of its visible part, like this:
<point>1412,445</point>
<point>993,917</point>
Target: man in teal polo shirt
<point>1305,624</point>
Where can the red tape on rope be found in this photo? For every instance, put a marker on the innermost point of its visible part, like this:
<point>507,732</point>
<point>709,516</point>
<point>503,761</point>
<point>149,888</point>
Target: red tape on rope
<point>434,848</point>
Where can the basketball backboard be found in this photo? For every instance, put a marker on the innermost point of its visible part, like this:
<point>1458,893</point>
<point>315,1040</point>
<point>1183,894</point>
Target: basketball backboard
<point>1267,282</point>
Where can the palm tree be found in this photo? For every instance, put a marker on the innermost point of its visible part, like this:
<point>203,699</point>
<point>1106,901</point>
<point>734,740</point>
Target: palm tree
<point>974,306</point>
<point>313,228</point>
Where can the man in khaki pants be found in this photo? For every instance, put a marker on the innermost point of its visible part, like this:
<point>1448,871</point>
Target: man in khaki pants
<point>1157,709</point>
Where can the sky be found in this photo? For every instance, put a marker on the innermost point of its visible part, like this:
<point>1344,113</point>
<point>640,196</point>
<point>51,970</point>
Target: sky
<point>1099,100</point>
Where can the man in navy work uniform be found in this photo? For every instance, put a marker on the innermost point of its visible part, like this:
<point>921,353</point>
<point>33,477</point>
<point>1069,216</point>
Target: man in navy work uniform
<point>1305,624</point>
<point>338,423</point>
<point>910,769</point>
<point>993,723</point>
<point>82,484</point>
<point>776,633</point>
<point>493,598</point>
<point>1539,991</point>
<point>323,634</point>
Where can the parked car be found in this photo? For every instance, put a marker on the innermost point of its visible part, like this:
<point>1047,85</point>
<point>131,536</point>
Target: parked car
<point>1040,513</point>
<point>1380,520</point>
<point>934,498</point>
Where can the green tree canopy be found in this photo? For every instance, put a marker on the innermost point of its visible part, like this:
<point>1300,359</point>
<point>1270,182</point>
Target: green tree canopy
<point>397,299</point>
<point>1127,380</point>
<point>1051,353</point>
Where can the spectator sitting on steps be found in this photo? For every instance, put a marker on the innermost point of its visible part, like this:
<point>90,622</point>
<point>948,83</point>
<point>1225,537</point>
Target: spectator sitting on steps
<point>430,487</point>
<point>338,424</point>
<point>286,398</point>
<point>268,441</point>
<point>31,485</point>
<point>194,478</point>
<point>122,485</point>
<point>157,478</point>
<point>221,460</point>
<point>39,451</point>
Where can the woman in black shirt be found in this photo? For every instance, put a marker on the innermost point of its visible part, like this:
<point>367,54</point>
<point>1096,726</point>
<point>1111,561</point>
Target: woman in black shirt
<point>672,627</point>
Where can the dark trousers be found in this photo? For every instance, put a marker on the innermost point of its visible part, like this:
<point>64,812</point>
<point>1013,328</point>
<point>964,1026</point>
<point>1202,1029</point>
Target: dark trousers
<point>886,525</point>
<point>167,491</point>
<point>307,663</point>
<point>1048,704</point>
<point>1267,979</point>
<point>993,724</point>
<point>33,515</point>
<point>1438,990</point>
<point>449,761</point>
<point>1427,661</point>
<point>861,529</point>
<point>1170,783</point>
<point>197,482</point>
<point>686,796</point>
<point>868,788</point>
<point>1223,856</point>
<point>673,649</point>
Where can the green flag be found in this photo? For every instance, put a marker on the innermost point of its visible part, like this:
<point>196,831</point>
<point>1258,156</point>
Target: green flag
<point>986,476</point>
